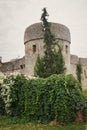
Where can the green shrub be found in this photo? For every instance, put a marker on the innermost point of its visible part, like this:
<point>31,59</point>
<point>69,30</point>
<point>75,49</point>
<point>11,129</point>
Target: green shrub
<point>2,104</point>
<point>85,109</point>
<point>57,97</point>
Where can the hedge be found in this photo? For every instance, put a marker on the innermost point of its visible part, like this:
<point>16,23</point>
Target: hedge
<point>58,97</point>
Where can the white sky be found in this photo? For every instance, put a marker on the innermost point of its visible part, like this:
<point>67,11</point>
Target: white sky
<point>16,15</point>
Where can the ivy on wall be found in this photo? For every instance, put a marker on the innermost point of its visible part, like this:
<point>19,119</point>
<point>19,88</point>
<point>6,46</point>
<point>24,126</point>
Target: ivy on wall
<point>57,97</point>
<point>79,72</point>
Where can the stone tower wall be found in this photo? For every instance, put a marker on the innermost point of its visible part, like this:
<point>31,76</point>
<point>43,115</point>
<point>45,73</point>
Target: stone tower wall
<point>34,38</point>
<point>30,56</point>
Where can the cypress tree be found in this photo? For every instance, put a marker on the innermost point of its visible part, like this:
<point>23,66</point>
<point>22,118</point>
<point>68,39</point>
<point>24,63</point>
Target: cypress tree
<point>52,61</point>
<point>59,61</point>
<point>39,68</point>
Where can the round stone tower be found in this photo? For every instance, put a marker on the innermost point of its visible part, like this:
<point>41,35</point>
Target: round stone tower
<point>33,40</point>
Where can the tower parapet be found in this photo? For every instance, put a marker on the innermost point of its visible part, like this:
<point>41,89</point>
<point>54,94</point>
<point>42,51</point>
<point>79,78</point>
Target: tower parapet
<point>35,32</point>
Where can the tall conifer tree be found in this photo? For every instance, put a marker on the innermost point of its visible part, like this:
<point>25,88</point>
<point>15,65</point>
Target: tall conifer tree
<point>49,40</point>
<point>53,62</point>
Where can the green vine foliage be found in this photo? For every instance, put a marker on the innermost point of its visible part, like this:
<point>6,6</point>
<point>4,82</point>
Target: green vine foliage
<point>2,104</point>
<point>85,109</point>
<point>57,97</point>
<point>79,72</point>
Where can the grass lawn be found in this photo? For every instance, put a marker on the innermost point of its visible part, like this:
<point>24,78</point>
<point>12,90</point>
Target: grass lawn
<point>21,124</point>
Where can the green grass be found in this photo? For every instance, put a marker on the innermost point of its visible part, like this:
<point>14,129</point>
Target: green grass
<point>22,124</point>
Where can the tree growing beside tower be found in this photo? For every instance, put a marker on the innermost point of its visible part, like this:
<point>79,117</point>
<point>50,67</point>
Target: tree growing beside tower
<point>52,62</point>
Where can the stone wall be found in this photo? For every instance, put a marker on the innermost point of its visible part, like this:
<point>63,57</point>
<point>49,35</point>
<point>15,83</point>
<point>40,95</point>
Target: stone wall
<point>74,60</point>
<point>83,62</point>
<point>14,66</point>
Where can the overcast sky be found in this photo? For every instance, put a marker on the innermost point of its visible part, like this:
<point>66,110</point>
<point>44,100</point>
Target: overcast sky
<point>16,15</point>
